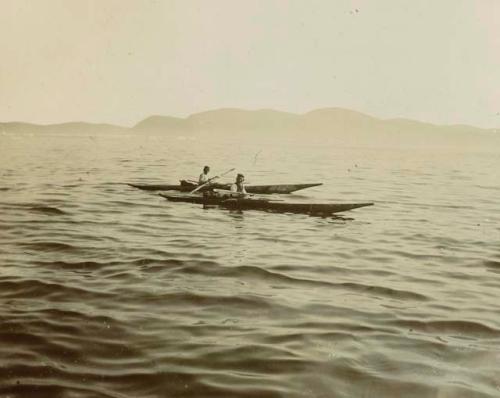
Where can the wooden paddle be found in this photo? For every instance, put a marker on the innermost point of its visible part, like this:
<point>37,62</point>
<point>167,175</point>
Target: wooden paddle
<point>241,195</point>
<point>209,181</point>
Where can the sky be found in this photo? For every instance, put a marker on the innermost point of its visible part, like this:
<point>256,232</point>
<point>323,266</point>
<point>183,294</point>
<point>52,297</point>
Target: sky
<point>120,61</point>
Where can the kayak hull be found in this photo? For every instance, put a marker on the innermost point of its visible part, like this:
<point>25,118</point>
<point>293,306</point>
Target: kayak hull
<point>267,205</point>
<point>258,189</point>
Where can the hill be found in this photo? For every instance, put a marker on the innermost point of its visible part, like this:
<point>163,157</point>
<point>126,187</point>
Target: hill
<point>62,128</point>
<point>326,122</point>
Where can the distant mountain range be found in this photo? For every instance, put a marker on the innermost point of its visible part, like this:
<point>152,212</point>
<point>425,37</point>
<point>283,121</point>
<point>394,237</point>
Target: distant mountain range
<point>320,121</point>
<point>71,127</point>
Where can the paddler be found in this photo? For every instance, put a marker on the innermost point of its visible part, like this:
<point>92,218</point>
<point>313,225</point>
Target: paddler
<point>238,186</point>
<point>203,179</point>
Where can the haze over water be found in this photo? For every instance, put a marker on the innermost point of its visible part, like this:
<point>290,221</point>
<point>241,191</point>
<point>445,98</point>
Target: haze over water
<point>108,291</point>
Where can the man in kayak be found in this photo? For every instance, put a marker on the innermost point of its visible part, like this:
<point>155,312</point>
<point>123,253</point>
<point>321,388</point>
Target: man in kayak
<point>238,186</point>
<point>203,179</point>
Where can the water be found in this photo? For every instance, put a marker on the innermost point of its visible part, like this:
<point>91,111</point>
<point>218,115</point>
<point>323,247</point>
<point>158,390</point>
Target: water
<point>108,291</point>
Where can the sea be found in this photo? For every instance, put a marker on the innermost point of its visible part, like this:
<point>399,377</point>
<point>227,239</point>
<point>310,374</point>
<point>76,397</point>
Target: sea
<point>109,291</point>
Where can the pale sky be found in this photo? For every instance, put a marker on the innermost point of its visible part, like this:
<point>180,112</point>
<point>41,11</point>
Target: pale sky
<point>119,61</point>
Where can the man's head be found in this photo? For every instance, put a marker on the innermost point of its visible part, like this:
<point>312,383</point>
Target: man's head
<point>240,178</point>
<point>206,169</point>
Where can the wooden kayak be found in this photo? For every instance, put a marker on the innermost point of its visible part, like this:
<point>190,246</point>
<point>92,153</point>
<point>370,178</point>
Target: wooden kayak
<point>266,205</point>
<point>258,189</point>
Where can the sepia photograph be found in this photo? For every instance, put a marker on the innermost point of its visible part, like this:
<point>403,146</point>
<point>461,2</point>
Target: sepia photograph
<point>249,199</point>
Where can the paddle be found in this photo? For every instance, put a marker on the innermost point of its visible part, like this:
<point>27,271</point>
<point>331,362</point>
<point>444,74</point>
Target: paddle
<point>209,181</point>
<point>236,195</point>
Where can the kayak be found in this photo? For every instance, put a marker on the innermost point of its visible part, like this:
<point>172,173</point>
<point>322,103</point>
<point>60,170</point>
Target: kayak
<point>266,204</point>
<point>258,189</point>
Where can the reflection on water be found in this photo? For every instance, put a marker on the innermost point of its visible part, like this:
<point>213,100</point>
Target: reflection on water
<point>238,216</point>
<point>111,291</point>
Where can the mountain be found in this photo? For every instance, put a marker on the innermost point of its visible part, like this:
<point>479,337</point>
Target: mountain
<point>62,128</point>
<point>319,121</point>
<point>235,120</point>
<point>231,120</point>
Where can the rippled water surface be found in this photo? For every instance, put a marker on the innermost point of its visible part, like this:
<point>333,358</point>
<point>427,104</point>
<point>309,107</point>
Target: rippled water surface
<point>109,291</point>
